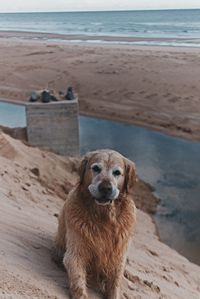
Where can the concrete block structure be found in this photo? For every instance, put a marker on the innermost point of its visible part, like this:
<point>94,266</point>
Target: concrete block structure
<point>54,126</point>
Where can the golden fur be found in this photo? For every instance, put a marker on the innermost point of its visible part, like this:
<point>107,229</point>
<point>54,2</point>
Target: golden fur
<point>93,238</point>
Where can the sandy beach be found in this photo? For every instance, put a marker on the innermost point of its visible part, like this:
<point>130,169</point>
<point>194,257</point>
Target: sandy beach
<point>33,187</point>
<point>156,87</point>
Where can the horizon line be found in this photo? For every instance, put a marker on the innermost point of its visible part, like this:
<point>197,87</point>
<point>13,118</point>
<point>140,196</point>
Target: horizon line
<point>115,10</point>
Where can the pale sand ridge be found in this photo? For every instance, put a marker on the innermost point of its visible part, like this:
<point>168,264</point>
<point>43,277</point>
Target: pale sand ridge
<point>31,183</point>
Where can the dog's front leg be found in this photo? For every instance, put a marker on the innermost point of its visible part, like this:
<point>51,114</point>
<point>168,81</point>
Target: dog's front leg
<point>113,285</point>
<point>76,275</point>
<point>114,292</point>
<point>113,289</point>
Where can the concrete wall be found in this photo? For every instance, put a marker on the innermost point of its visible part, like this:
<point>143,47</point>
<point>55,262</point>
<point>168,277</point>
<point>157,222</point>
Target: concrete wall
<point>54,126</point>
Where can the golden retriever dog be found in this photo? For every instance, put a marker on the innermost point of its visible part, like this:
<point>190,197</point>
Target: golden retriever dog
<point>96,223</point>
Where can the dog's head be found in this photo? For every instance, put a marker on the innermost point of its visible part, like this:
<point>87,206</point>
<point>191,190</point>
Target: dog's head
<point>107,175</point>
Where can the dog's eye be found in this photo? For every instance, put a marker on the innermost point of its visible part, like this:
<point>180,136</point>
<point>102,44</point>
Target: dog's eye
<point>116,172</point>
<point>96,168</point>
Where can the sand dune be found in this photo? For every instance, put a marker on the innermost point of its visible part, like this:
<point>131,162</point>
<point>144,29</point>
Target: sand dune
<point>33,185</point>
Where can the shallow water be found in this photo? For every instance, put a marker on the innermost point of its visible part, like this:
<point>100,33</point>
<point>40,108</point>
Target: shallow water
<point>12,115</point>
<point>170,164</point>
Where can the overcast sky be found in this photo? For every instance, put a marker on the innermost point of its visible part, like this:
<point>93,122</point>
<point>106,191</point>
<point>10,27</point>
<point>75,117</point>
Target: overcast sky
<point>73,5</point>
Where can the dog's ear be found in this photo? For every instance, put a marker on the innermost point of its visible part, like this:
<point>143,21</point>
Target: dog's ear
<point>82,169</point>
<point>130,176</point>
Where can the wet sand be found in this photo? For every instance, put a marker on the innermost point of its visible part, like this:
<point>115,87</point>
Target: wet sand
<point>156,87</point>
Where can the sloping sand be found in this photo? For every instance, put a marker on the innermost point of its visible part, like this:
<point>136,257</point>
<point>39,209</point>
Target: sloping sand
<point>33,184</point>
<point>157,87</point>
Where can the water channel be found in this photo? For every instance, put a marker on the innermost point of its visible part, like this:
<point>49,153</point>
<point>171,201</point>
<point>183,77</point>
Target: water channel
<point>171,165</point>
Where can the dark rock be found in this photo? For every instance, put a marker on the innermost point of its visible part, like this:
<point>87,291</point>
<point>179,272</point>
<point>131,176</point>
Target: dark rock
<point>45,96</point>
<point>35,96</point>
<point>70,95</point>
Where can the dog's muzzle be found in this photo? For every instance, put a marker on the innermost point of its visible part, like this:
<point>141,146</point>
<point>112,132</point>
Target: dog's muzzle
<point>105,189</point>
<point>104,193</point>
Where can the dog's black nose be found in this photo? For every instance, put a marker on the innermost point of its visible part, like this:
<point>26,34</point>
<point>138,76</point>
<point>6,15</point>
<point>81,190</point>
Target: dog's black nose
<point>105,188</point>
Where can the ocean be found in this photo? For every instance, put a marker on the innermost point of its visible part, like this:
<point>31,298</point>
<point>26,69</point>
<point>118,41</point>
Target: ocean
<point>158,27</point>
